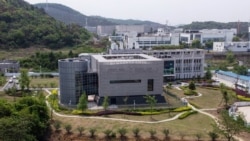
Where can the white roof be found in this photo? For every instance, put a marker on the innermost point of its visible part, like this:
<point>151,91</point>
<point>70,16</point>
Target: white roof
<point>124,57</point>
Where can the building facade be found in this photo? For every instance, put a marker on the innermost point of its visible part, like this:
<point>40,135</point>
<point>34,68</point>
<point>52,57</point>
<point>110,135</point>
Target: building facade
<point>130,76</point>
<point>9,66</point>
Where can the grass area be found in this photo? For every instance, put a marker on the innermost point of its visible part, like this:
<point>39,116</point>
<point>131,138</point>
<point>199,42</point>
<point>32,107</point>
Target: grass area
<point>44,82</point>
<point>189,126</point>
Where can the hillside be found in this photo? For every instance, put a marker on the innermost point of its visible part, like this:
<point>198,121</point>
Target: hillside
<point>22,25</point>
<point>243,26</point>
<point>68,15</point>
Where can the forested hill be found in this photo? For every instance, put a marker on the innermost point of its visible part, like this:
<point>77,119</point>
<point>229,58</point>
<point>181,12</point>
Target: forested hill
<point>23,25</point>
<point>69,15</point>
<point>243,26</point>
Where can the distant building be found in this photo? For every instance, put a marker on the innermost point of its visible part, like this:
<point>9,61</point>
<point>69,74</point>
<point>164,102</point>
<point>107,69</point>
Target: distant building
<point>231,46</point>
<point>205,35</point>
<point>11,66</point>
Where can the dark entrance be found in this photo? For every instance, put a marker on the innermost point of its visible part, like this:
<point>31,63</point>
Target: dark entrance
<point>113,101</point>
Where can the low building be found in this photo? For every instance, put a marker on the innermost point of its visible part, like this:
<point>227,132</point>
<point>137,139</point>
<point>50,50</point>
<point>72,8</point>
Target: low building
<point>240,81</point>
<point>9,66</point>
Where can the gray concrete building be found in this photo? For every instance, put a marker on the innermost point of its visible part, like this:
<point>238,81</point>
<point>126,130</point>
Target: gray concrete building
<point>130,76</point>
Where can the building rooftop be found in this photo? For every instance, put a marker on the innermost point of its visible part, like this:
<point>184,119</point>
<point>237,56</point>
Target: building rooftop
<point>234,75</point>
<point>124,57</point>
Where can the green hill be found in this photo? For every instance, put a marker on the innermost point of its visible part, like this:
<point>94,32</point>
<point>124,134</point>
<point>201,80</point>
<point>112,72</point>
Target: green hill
<point>243,26</point>
<point>68,15</point>
<point>23,25</point>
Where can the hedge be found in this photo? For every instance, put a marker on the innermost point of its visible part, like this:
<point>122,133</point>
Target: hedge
<point>193,104</point>
<point>243,98</point>
<point>190,92</point>
<point>181,109</point>
<point>186,114</point>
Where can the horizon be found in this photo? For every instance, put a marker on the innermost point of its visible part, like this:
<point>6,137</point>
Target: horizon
<point>176,13</point>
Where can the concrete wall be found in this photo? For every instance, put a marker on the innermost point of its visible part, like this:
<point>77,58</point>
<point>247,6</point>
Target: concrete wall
<point>139,70</point>
<point>70,79</point>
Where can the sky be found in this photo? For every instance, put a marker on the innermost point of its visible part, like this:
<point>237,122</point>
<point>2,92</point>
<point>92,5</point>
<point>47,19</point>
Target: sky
<point>173,12</point>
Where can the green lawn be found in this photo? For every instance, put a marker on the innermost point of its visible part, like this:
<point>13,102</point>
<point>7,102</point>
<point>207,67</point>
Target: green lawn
<point>44,82</point>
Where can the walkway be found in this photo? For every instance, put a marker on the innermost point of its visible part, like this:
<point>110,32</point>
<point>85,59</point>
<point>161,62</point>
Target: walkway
<point>136,121</point>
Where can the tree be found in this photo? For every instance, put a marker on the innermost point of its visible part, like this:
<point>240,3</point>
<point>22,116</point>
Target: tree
<point>228,126</point>
<point>83,102</point>
<point>57,125</point>
<point>198,136</point>
<point>166,133</point>
<point>54,94</point>
<point>241,70</point>
<point>24,80</point>
<point>107,133</point>
<point>92,132</point>
<point>191,85</point>
<point>196,44</point>
<point>208,75</point>
<point>136,132</point>
<point>122,132</point>
<point>152,133</point>
<point>236,39</point>
<point>209,45</point>
<point>230,57</point>
<point>80,130</point>
<point>105,103</point>
<point>225,97</point>
<point>68,128</point>
<point>151,101</point>
<point>70,54</point>
<point>213,136</point>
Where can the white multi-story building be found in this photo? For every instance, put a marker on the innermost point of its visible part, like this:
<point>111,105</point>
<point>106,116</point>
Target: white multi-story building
<point>181,63</point>
<point>231,46</point>
<point>205,35</point>
<point>178,63</point>
<point>132,40</point>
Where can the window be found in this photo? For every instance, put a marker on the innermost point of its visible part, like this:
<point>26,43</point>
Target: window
<point>124,81</point>
<point>150,84</point>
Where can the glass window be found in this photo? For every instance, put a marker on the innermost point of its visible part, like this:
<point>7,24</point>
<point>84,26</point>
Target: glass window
<point>150,84</point>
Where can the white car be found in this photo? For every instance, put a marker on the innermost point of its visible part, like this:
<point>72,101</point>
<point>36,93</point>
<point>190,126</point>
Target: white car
<point>10,81</point>
<point>14,77</point>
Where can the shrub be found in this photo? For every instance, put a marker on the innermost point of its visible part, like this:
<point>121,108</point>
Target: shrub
<point>152,133</point>
<point>92,132</point>
<point>80,130</point>
<point>193,104</point>
<point>68,128</point>
<point>186,114</point>
<point>136,132</point>
<point>122,132</point>
<point>107,133</point>
<point>57,125</point>
<point>243,98</point>
<point>166,133</point>
<point>181,109</point>
<point>190,92</point>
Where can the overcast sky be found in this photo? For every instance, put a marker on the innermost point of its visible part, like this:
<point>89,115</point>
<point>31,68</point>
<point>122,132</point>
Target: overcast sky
<point>174,11</point>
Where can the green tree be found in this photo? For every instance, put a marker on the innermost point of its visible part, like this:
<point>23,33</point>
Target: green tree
<point>136,132</point>
<point>213,136</point>
<point>68,128</point>
<point>241,70</point>
<point>24,80</point>
<point>208,75</point>
<point>80,130</point>
<point>57,125</point>
<point>105,103</point>
<point>236,39</point>
<point>152,133</point>
<point>151,101</point>
<point>83,102</point>
<point>107,133</point>
<point>122,132</point>
<point>191,85</point>
<point>209,45</point>
<point>228,127</point>
<point>166,133</point>
<point>230,57</point>
<point>92,132</point>
<point>196,44</point>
